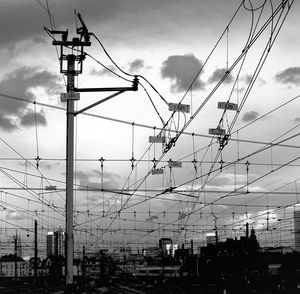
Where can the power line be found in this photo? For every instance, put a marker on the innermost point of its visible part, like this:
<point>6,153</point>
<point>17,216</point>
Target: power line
<point>155,127</point>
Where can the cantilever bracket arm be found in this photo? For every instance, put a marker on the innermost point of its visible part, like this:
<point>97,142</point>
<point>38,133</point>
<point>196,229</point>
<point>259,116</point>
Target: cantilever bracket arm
<point>134,87</point>
<point>99,102</point>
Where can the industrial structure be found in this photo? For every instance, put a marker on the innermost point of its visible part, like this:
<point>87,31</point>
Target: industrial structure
<point>297,229</point>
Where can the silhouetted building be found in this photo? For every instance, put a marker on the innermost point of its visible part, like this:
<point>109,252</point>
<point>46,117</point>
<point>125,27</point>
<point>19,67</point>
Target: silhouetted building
<point>59,243</point>
<point>125,252</point>
<point>55,243</point>
<point>166,245</point>
<point>152,252</point>
<point>297,229</point>
<point>211,238</point>
<point>246,245</point>
<point>50,244</point>
<point>13,266</point>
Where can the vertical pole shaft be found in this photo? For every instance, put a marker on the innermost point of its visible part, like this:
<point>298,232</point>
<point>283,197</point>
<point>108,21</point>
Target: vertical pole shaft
<point>35,249</point>
<point>16,254</point>
<point>69,171</point>
<point>83,261</point>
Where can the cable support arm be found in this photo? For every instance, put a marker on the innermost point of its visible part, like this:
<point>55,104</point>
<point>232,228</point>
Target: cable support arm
<point>99,102</point>
<point>134,87</point>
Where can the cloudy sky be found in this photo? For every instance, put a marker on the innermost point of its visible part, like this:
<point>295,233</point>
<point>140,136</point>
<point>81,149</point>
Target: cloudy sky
<point>198,53</point>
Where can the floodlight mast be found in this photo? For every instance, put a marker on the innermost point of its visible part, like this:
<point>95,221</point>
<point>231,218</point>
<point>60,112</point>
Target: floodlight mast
<point>70,97</point>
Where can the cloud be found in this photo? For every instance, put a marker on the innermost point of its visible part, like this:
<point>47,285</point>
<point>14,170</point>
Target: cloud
<point>47,166</point>
<point>19,84</point>
<point>247,79</point>
<point>136,64</point>
<point>15,215</point>
<point>261,218</point>
<point>17,23</point>
<point>30,118</point>
<point>92,179</point>
<point>12,25</point>
<point>232,183</point>
<point>249,116</point>
<point>218,74</point>
<point>261,81</point>
<point>122,17</point>
<point>220,181</point>
<point>103,71</point>
<point>227,181</point>
<point>43,164</point>
<point>290,75</point>
<point>182,69</point>
<point>15,26</point>
<point>7,124</point>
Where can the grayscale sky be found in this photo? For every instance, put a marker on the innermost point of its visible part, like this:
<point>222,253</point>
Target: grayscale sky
<point>182,50</point>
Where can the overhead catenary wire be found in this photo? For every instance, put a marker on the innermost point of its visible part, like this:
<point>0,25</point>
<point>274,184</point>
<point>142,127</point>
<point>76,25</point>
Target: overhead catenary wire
<point>21,156</point>
<point>266,51</point>
<point>253,39</point>
<point>126,73</point>
<point>244,52</point>
<point>52,25</point>
<point>27,189</point>
<point>210,172</point>
<point>226,195</point>
<point>276,206</point>
<point>176,130</point>
<point>159,128</point>
<point>229,194</point>
<point>248,183</point>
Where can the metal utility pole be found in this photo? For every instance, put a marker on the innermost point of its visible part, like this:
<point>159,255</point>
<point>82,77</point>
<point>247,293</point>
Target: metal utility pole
<point>35,249</point>
<point>69,167</point>
<point>83,261</point>
<point>16,253</point>
<point>216,229</point>
<point>69,97</point>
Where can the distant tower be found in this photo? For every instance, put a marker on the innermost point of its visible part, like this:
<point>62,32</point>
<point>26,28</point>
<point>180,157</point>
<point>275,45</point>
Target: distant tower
<point>50,243</point>
<point>297,229</point>
<point>59,242</point>
<point>55,243</point>
<point>247,231</point>
<point>19,247</point>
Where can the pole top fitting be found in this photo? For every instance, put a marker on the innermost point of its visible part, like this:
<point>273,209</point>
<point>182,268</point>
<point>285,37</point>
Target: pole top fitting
<point>135,83</point>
